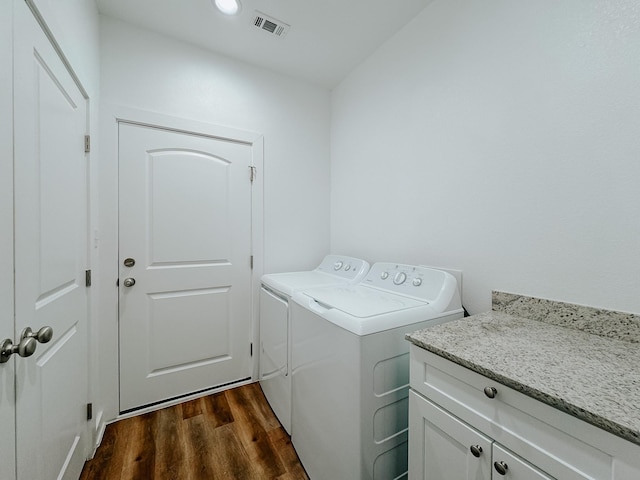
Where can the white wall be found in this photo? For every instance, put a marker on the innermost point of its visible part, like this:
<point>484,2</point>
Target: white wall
<point>143,70</point>
<point>501,138</point>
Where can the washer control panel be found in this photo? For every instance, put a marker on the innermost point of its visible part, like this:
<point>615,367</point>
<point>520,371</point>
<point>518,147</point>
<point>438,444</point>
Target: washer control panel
<point>412,280</point>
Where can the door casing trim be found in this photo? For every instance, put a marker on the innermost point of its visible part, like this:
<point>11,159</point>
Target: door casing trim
<point>107,236</point>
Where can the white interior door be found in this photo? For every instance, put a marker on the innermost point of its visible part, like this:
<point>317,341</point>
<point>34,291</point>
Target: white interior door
<point>50,195</point>
<point>185,220</point>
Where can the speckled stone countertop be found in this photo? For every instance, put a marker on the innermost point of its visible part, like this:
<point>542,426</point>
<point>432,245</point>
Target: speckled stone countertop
<point>581,360</point>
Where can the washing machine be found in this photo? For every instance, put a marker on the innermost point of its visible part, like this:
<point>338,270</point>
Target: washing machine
<point>350,368</point>
<point>275,323</point>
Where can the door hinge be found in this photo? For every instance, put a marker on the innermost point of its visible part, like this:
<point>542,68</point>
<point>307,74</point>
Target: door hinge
<point>89,411</point>
<point>251,261</point>
<point>87,143</point>
<point>251,349</point>
<point>87,278</point>
<point>252,173</point>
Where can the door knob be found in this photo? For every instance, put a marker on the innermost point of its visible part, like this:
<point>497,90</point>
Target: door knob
<point>129,282</point>
<point>25,348</point>
<point>44,335</point>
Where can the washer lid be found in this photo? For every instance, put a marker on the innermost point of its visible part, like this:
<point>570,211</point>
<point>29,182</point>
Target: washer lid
<point>360,301</point>
<point>334,270</point>
<point>291,282</point>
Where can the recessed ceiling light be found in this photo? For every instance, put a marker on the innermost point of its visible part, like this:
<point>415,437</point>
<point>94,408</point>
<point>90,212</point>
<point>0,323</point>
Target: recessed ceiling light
<point>228,7</point>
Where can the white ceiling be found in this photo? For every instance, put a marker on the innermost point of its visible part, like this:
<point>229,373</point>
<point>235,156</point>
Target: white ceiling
<point>327,39</point>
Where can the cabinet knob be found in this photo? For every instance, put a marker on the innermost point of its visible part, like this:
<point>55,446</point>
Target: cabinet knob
<point>501,467</point>
<point>476,450</point>
<point>490,392</point>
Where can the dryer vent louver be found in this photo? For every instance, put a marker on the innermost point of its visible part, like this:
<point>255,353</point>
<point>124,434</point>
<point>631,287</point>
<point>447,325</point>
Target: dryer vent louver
<point>270,25</point>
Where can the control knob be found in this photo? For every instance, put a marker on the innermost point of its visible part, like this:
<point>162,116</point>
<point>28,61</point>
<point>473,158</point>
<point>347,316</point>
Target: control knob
<point>399,278</point>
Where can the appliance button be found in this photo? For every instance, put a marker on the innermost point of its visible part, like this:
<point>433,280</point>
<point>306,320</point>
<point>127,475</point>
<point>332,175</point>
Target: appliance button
<point>384,275</point>
<point>337,265</point>
<point>399,278</point>
<point>347,268</point>
<point>417,282</point>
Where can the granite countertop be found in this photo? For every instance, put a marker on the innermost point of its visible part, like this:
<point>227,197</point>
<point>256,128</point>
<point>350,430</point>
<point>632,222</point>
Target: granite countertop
<point>581,360</point>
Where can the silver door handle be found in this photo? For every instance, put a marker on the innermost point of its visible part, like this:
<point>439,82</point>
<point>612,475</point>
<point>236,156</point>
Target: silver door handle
<point>44,335</point>
<point>25,348</point>
<point>129,282</point>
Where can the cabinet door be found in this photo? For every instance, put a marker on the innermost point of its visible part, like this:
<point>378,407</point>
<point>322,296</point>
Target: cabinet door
<point>441,446</point>
<point>510,466</point>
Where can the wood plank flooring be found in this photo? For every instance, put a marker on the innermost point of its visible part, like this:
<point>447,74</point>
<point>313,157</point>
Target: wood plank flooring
<point>231,435</point>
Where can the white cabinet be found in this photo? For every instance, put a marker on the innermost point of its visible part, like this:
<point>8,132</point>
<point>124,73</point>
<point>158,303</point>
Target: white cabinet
<point>440,445</point>
<point>465,426</point>
<point>446,447</point>
<point>508,465</point>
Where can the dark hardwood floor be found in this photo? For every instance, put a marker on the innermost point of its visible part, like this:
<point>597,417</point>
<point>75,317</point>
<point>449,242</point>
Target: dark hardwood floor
<point>228,435</point>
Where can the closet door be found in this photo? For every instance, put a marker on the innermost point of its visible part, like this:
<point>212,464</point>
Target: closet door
<point>50,205</point>
<point>7,372</point>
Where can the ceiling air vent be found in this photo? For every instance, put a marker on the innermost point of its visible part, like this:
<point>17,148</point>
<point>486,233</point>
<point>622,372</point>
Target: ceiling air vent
<point>270,24</point>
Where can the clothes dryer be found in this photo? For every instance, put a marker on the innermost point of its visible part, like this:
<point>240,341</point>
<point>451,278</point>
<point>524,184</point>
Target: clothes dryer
<point>275,323</point>
<point>350,368</point>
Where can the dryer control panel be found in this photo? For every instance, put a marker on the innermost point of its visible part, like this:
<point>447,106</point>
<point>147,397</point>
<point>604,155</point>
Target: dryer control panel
<point>413,280</point>
<point>349,268</point>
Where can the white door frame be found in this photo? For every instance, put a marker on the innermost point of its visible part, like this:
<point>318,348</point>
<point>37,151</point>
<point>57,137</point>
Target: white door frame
<point>7,370</point>
<point>111,115</point>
